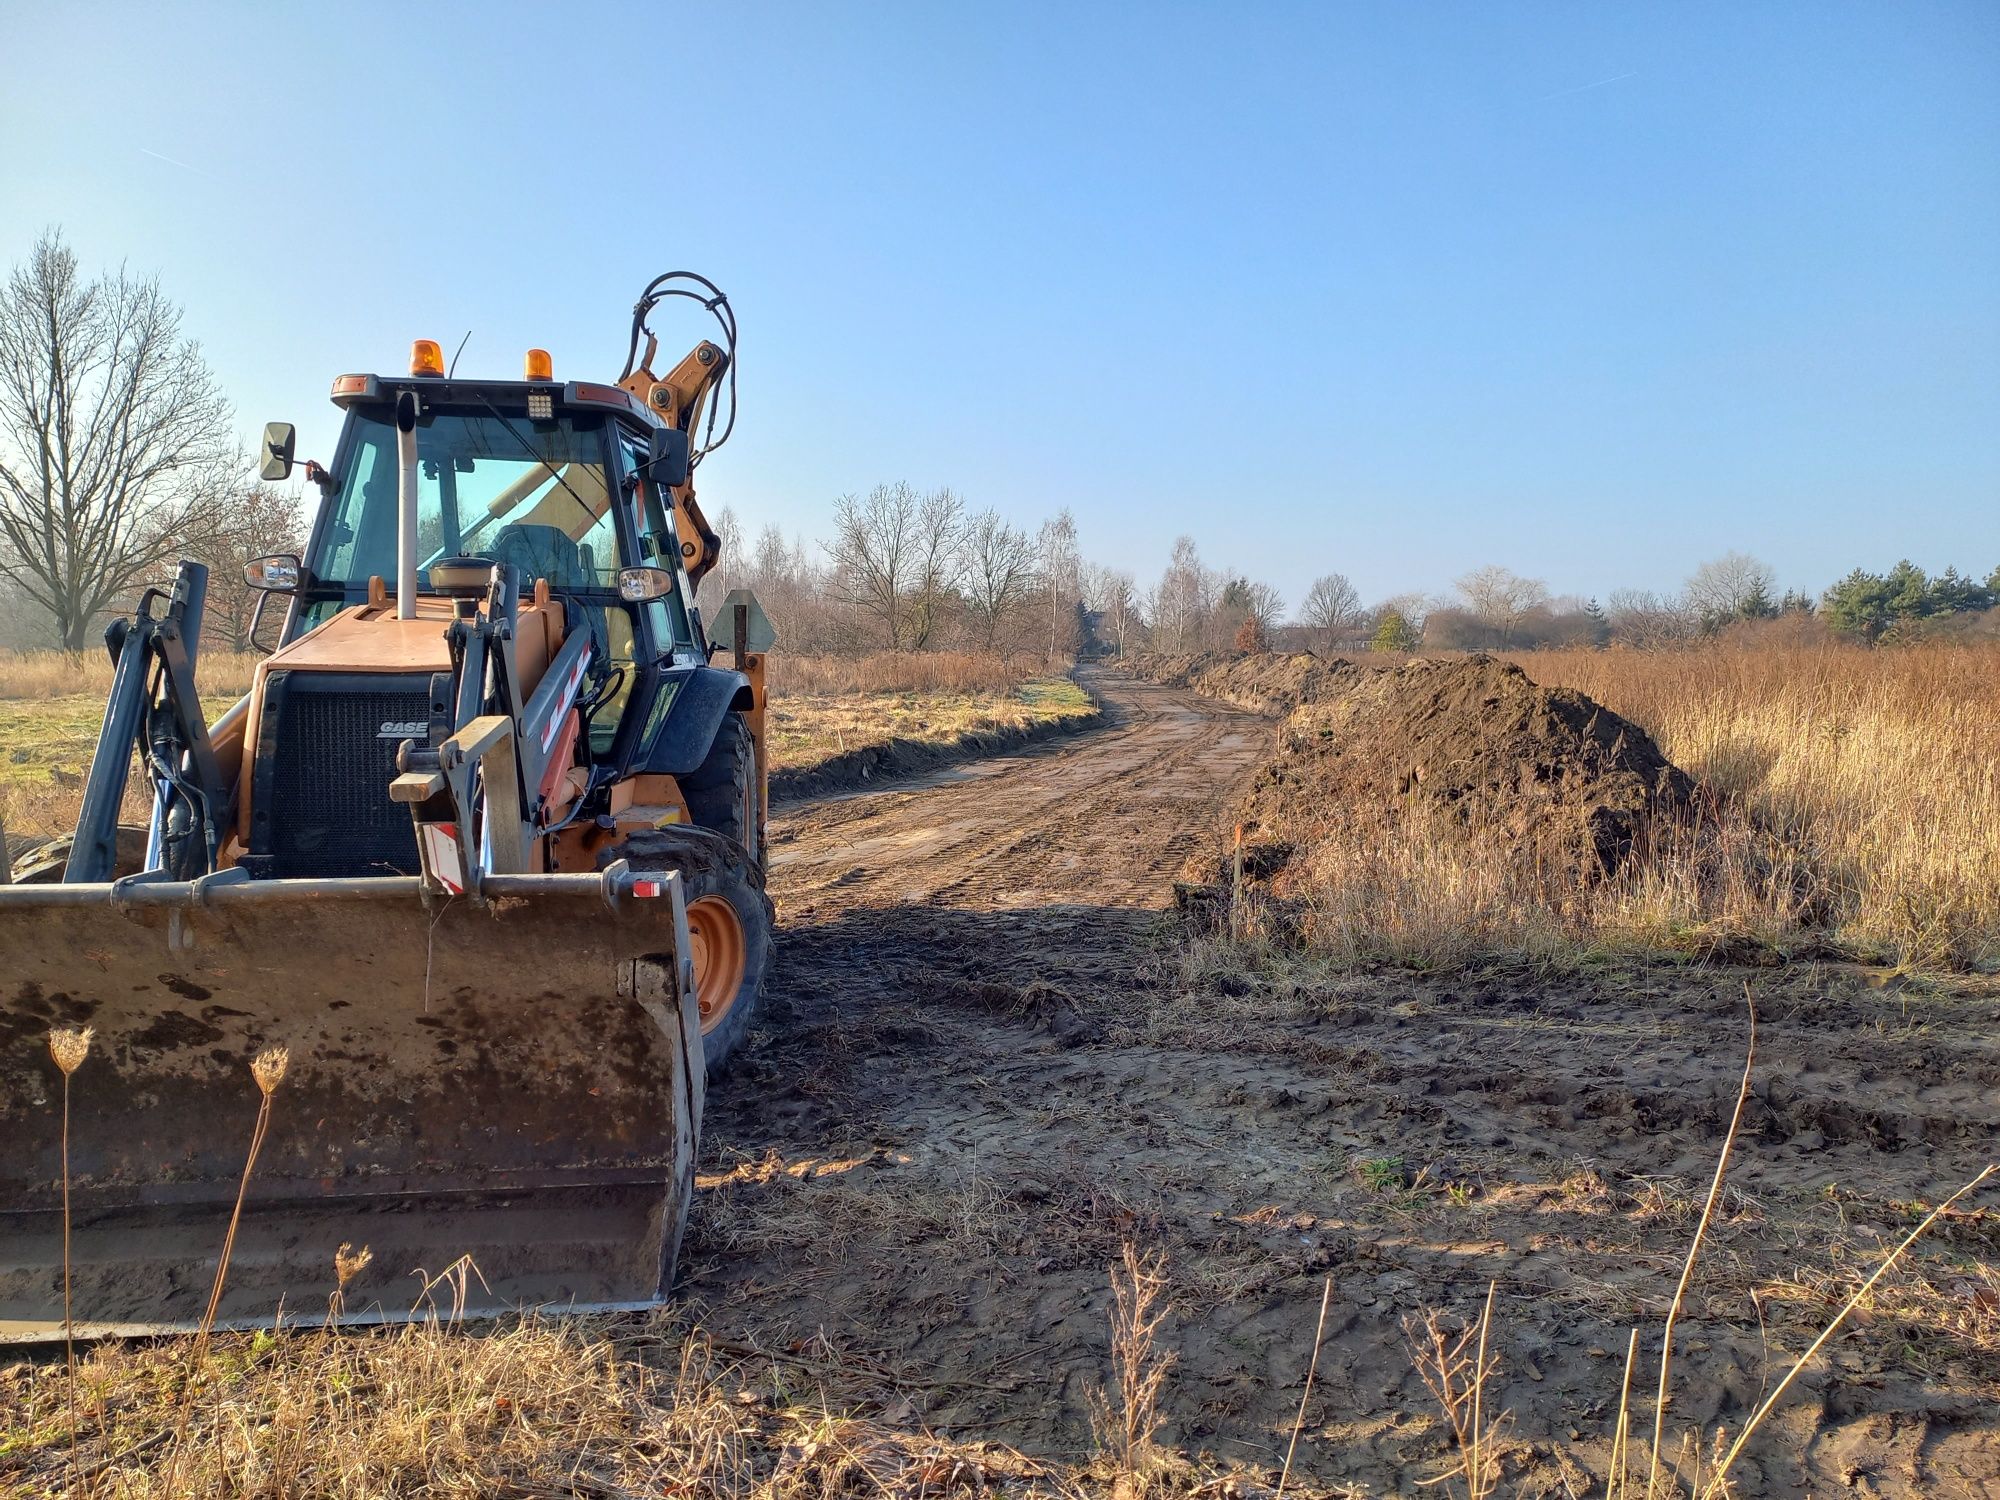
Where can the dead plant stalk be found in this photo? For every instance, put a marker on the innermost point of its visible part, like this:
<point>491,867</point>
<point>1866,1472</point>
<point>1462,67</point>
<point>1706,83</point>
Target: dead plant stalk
<point>1694,1249</point>
<point>268,1069</point>
<point>1716,1483</point>
<point>1139,1367</point>
<point>68,1048</point>
<point>1312,1369</point>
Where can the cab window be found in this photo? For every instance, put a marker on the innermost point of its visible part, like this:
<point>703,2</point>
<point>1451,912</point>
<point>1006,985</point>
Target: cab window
<point>530,493</point>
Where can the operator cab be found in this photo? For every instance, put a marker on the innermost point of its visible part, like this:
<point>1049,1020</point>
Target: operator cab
<point>544,477</point>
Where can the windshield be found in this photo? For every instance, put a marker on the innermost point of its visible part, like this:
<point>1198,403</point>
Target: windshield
<point>483,490</point>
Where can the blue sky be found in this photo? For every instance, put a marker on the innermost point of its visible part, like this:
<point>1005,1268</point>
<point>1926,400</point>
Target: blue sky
<point>1594,292</point>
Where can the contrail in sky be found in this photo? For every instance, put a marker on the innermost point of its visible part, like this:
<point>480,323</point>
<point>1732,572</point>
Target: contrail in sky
<point>1583,88</point>
<point>172,163</point>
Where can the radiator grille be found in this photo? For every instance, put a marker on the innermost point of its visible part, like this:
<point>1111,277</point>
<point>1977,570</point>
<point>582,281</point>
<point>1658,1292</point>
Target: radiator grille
<point>329,773</point>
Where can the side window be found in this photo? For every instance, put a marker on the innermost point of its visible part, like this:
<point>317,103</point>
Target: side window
<point>361,537</point>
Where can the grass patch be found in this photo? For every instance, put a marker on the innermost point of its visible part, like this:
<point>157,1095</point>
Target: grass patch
<point>531,1407</point>
<point>805,729</point>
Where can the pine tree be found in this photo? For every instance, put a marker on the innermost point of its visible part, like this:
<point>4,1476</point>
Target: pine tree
<point>1952,592</point>
<point>1394,633</point>
<point>1600,623</point>
<point>1909,591</point>
<point>1860,604</point>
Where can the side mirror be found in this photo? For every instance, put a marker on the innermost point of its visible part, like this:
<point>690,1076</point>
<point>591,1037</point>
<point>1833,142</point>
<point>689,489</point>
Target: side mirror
<point>280,439</point>
<point>278,574</point>
<point>643,585</point>
<point>667,456</point>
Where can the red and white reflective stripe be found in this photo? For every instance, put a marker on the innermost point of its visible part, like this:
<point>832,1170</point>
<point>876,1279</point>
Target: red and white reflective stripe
<point>568,697</point>
<point>649,888</point>
<point>444,855</point>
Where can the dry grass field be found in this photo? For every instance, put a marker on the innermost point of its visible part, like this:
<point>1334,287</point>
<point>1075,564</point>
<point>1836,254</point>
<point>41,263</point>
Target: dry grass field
<point>808,728</point>
<point>50,707</point>
<point>901,672</point>
<point>828,706</point>
<point>822,707</point>
<point>1874,776</point>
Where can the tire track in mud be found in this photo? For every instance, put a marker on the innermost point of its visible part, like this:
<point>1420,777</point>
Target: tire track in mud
<point>984,1064</point>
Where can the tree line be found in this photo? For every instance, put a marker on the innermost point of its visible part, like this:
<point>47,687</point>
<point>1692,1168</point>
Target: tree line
<point>117,458</point>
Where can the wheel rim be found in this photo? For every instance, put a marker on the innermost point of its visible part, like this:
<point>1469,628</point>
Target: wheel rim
<point>715,933</point>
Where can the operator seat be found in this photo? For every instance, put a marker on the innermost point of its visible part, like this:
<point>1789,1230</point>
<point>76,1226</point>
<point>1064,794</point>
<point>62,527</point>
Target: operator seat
<point>550,552</point>
<point>541,552</point>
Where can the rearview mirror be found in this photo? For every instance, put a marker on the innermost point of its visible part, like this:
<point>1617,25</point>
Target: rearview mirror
<point>667,459</point>
<point>280,438</point>
<point>276,574</point>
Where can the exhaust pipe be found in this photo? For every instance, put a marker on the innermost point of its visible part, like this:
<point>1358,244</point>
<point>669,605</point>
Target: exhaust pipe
<point>406,506</point>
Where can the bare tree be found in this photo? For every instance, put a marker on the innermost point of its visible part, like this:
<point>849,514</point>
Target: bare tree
<point>1648,621</point>
<point>262,520</point>
<point>732,566</point>
<point>1243,602</point>
<point>114,437</point>
<point>1180,602</point>
<point>1500,598</point>
<point>1000,577</point>
<point>1731,587</point>
<point>1060,567</point>
<point>1109,599</point>
<point>874,554</point>
<point>1411,608</point>
<point>1119,607</point>
<point>1331,608</point>
<point>940,563</point>
<point>899,557</point>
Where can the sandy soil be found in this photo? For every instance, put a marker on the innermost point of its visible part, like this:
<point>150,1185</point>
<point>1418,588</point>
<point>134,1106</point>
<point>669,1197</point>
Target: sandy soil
<point>987,1059</point>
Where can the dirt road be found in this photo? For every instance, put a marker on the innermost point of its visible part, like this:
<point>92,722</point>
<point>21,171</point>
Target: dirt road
<point>988,1060</point>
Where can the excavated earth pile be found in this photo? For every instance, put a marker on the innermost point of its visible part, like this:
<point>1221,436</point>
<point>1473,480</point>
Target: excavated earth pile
<point>1448,746</point>
<point>1266,683</point>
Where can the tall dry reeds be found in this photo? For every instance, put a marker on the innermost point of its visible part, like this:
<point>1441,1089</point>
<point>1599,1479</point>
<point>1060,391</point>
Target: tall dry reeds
<point>1873,775</point>
<point>221,676</point>
<point>268,1070</point>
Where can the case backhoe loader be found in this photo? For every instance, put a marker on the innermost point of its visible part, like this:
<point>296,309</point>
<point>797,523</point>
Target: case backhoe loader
<point>482,846</point>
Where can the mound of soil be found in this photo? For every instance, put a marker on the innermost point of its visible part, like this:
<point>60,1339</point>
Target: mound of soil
<point>1268,682</point>
<point>1470,741</point>
<point>1476,739</point>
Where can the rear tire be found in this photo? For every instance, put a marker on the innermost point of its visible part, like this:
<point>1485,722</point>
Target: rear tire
<point>729,925</point>
<point>722,794</point>
<point>42,864</point>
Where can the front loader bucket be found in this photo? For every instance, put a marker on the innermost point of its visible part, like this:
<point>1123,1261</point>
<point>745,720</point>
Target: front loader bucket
<point>516,1079</point>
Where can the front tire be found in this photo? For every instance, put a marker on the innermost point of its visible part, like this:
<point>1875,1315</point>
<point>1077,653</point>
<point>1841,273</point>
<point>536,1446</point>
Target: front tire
<point>729,926</point>
<point>723,794</point>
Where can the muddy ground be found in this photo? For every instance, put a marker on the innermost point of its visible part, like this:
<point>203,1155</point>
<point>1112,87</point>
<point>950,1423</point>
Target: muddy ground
<point>988,1058</point>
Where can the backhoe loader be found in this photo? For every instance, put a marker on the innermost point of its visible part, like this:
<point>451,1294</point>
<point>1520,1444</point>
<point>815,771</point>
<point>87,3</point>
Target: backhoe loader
<point>482,847</point>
